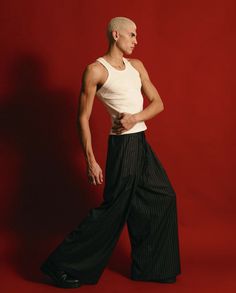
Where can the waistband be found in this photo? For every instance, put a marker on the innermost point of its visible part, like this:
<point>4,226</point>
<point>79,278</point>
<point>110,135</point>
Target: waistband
<point>129,137</point>
<point>133,134</point>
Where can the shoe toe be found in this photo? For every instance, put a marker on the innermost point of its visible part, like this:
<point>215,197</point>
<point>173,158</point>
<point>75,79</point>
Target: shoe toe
<point>61,278</point>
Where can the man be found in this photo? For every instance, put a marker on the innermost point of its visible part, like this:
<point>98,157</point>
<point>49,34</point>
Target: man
<point>137,189</point>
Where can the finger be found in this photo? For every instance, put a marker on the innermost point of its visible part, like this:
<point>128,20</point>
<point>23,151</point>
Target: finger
<point>92,180</point>
<point>119,131</point>
<point>117,122</point>
<point>97,180</point>
<point>101,177</point>
<point>117,126</point>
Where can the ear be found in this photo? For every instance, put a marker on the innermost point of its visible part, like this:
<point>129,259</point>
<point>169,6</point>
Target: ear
<point>115,35</point>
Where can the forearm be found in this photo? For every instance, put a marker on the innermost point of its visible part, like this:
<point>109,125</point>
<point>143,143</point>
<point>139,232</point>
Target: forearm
<point>86,140</point>
<point>154,108</point>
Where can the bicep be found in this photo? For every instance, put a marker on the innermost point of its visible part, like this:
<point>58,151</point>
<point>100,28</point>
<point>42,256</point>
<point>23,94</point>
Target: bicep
<point>86,99</point>
<point>148,88</point>
<point>87,94</point>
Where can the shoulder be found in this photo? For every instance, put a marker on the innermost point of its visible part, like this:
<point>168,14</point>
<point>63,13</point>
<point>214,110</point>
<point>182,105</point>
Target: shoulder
<point>94,71</point>
<point>94,68</point>
<point>135,61</point>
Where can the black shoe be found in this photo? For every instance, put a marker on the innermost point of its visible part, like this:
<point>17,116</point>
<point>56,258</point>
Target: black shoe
<point>61,278</point>
<point>167,280</point>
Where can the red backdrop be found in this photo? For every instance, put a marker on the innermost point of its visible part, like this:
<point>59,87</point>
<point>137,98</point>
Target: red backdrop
<point>187,48</point>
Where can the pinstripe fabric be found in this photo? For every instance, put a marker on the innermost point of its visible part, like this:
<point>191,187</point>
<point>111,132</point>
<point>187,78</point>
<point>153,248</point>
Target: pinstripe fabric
<point>137,192</point>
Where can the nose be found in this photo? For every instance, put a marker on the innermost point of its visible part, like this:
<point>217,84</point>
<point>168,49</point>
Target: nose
<point>135,41</point>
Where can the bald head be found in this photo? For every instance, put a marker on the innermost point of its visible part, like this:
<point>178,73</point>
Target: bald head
<point>118,24</point>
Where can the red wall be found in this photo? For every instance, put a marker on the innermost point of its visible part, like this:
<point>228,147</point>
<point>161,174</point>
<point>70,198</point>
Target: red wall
<point>187,48</point>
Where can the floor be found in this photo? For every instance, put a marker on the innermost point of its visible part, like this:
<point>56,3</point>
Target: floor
<point>205,269</point>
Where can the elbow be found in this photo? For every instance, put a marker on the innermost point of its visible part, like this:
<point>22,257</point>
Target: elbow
<point>160,107</point>
<point>159,104</point>
<point>83,117</point>
<point>82,120</point>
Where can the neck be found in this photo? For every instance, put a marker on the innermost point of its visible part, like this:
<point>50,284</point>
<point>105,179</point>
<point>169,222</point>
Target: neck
<point>114,54</point>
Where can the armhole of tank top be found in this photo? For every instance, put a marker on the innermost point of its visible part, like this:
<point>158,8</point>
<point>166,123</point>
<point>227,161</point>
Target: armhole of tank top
<point>101,61</point>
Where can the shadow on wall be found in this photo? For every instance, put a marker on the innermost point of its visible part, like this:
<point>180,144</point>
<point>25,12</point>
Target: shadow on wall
<point>51,197</point>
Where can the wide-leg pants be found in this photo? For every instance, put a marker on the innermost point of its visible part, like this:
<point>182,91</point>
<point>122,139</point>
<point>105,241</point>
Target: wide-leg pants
<point>138,192</point>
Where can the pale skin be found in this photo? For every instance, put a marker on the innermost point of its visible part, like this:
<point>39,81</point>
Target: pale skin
<point>94,77</point>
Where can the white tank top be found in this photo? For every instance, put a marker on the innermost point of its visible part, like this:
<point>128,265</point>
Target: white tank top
<point>121,92</point>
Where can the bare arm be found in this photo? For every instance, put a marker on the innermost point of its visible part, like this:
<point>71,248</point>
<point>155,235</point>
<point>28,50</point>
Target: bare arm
<point>149,90</point>
<point>86,99</point>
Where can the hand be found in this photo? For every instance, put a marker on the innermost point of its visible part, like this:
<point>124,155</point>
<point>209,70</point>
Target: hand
<point>124,123</point>
<point>94,173</point>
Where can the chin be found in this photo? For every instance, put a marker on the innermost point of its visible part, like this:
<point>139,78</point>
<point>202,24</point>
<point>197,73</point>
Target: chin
<point>128,52</point>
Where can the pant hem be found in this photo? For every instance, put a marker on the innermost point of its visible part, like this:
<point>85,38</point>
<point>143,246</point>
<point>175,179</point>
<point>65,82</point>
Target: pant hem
<point>154,279</point>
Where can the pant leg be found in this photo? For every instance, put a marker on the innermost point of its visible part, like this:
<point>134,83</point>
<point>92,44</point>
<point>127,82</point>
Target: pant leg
<point>152,224</point>
<point>85,251</point>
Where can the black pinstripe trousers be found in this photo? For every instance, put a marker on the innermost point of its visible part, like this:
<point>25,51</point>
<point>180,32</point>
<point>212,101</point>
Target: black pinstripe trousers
<point>138,192</point>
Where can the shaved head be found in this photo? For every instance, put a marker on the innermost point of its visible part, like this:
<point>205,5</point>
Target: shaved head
<point>118,24</point>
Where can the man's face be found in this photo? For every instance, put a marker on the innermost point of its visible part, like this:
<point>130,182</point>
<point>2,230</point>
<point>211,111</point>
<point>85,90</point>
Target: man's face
<point>127,39</point>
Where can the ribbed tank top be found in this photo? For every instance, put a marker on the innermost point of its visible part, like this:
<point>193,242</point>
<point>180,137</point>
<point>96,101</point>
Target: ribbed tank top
<point>121,92</point>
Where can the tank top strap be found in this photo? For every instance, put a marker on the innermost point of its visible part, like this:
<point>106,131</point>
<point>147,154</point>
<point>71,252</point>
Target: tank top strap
<point>128,62</point>
<point>105,63</point>
<point>109,66</point>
